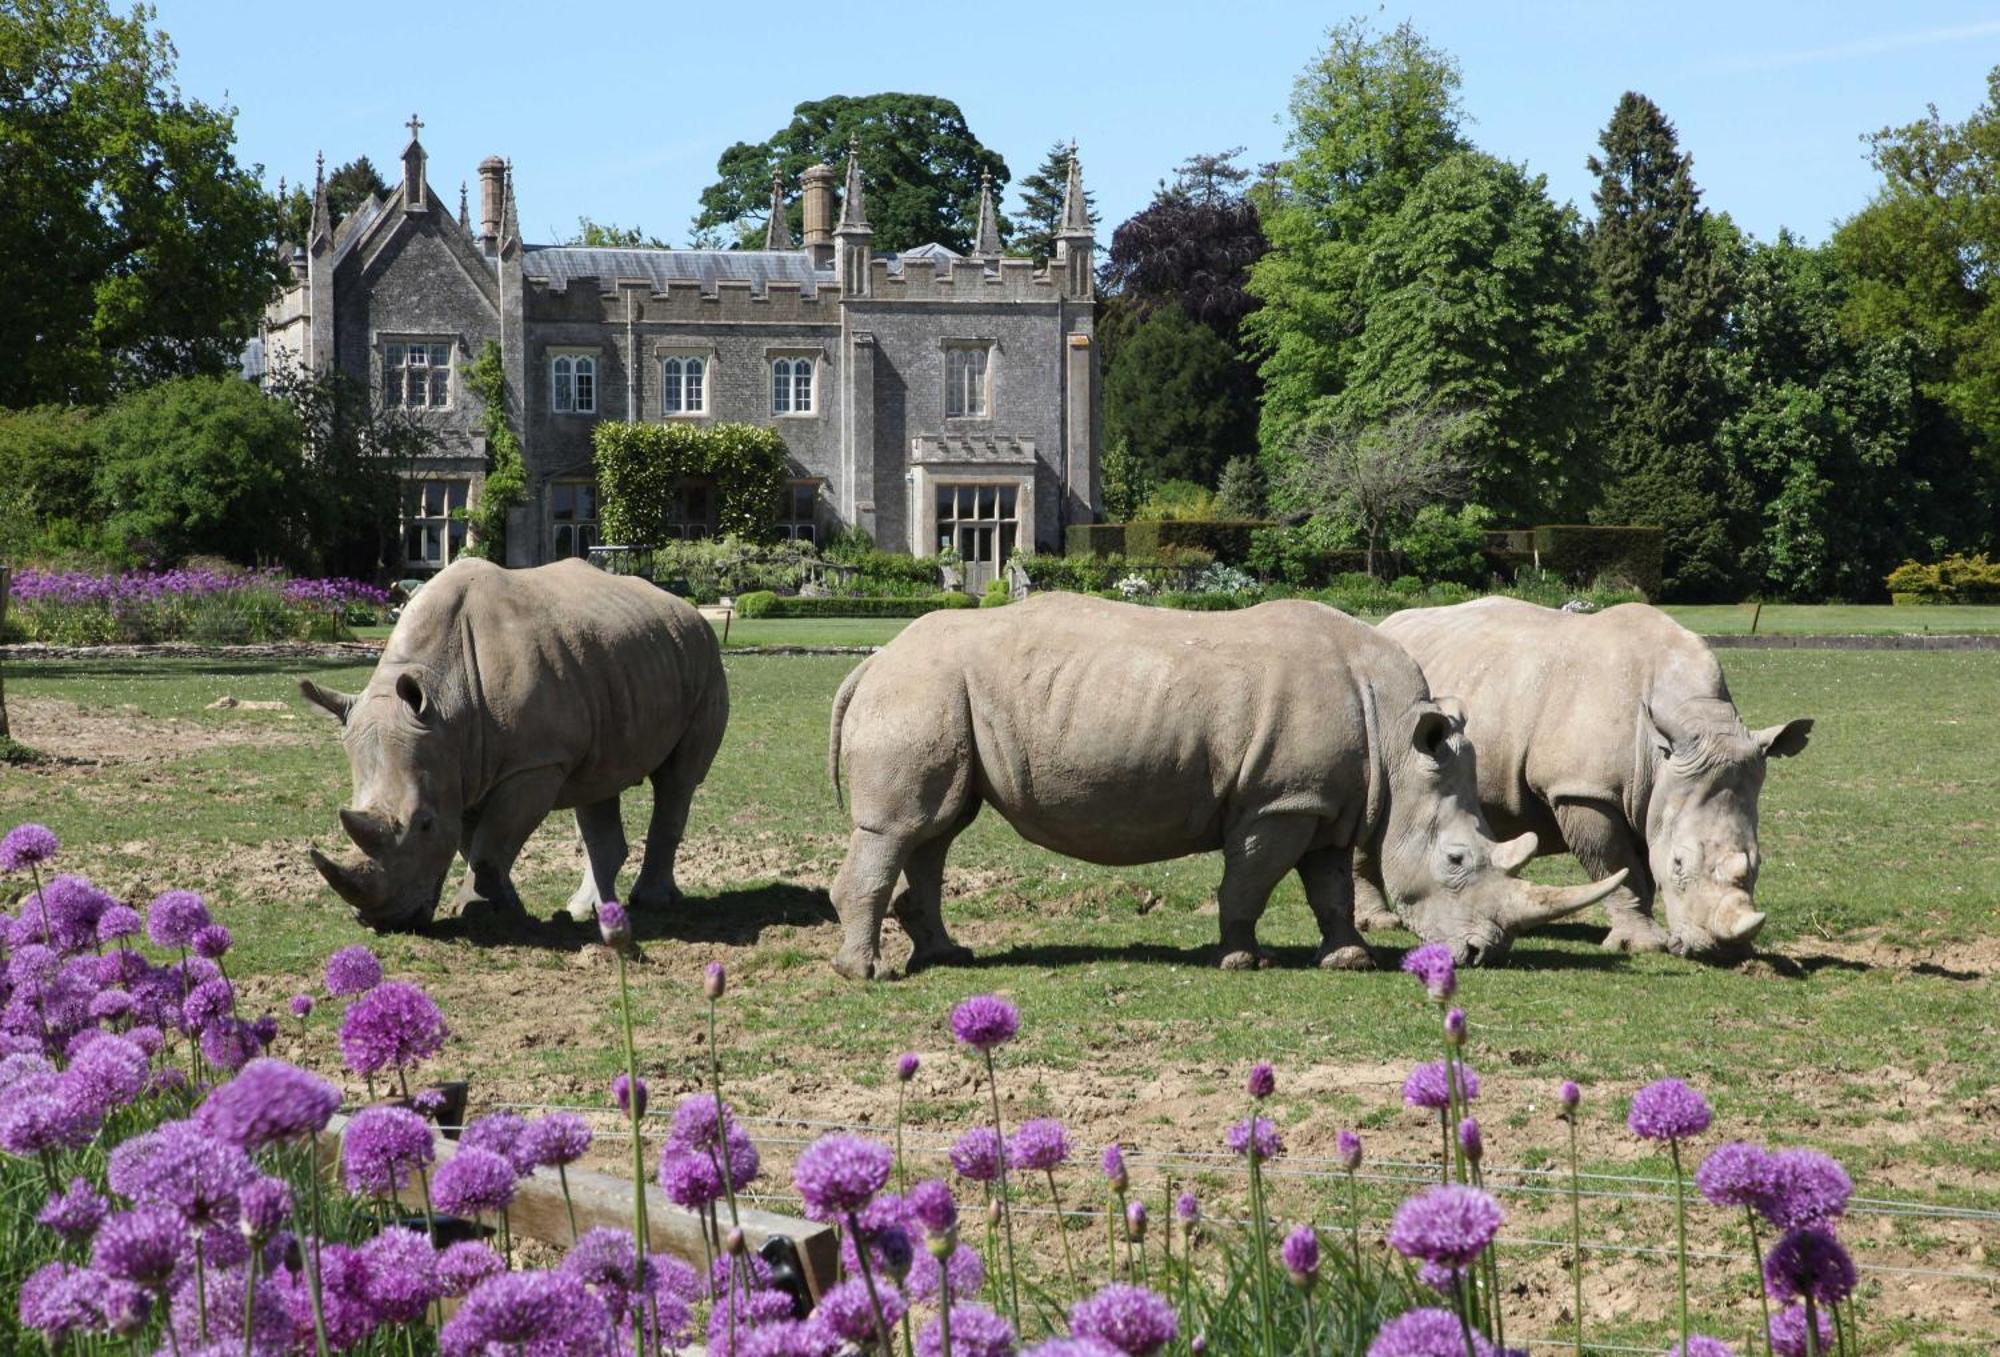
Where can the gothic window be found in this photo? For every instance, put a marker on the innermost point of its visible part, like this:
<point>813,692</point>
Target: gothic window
<point>683,386</point>
<point>798,510</point>
<point>965,377</point>
<point>434,521</point>
<point>572,519</point>
<point>573,384</point>
<point>417,376</point>
<point>792,386</point>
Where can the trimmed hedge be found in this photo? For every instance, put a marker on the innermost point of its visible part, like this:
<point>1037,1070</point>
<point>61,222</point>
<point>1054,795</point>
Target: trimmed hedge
<point>1094,539</point>
<point>766,604</point>
<point>1222,539</point>
<point>640,469</point>
<point>1581,553</point>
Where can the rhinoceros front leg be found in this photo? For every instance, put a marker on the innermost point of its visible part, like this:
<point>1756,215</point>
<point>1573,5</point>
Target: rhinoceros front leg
<point>1603,843</point>
<point>674,785</point>
<point>1255,858</point>
<point>1328,876</point>
<point>604,851</point>
<point>919,908</point>
<point>501,828</point>
<point>1371,903</point>
<point>861,899</point>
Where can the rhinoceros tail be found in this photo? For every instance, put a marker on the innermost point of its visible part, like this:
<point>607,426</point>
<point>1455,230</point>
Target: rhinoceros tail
<point>840,701</point>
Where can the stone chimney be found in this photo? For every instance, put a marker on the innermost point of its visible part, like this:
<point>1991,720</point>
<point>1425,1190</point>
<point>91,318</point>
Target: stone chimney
<point>817,195</point>
<point>492,174</point>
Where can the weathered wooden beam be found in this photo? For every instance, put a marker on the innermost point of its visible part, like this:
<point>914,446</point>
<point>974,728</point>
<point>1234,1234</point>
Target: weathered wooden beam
<point>602,1199</point>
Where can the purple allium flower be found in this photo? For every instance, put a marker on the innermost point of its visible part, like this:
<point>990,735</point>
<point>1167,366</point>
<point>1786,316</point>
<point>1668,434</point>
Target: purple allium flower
<point>72,907</point>
<point>140,1246</point>
<point>838,1174</point>
<point>1187,1208</point>
<point>1668,1110</point>
<point>174,918</point>
<point>400,1268</point>
<point>538,1313</point>
<point>976,1155</point>
<point>1263,1081</point>
<point>1807,1187</point>
<point>847,1312</point>
<point>265,1206</point>
<point>1470,1141</point>
<point>1699,1345</point>
<point>182,1167</point>
<point>1449,1225</point>
<point>1454,1027</point>
<point>621,1094</point>
<point>1426,1086</point>
<point>27,845</point>
<point>118,922</point>
<point>269,1102</point>
<point>42,1112</point>
<point>1569,1095</point>
<point>110,1005</point>
<point>473,1183</point>
<point>392,1026</point>
<point>699,1122</point>
<point>614,925</point>
<point>109,1072</point>
<point>785,1338</point>
<point>689,1178</point>
<point>1737,1174</point>
<point>499,1132</point>
<point>229,1043</point>
<point>755,1311</point>
<point>466,1264</point>
<point>714,980</point>
<point>965,1268</point>
<point>19,1065</point>
<point>1263,1137</point>
<point>211,942</point>
<point>350,1317</point>
<point>382,1149</point>
<point>271,1325</point>
<point>1349,1145</point>
<point>1788,1331</point>
<point>1426,1333</point>
<point>933,1207</point>
<point>352,970</point>
<point>975,1332</point>
<point>606,1261</point>
<point>33,963</point>
<point>1809,1261</point>
<point>1090,1347</point>
<point>75,1214</point>
<point>60,1299</point>
<point>906,1066</point>
<point>1432,964</point>
<point>302,1005</point>
<point>1439,1278</point>
<point>985,1021</point>
<point>1113,1162</point>
<point>556,1139</point>
<point>1038,1146</point>
<point>265,1030</point>
<point>1135,1220</point>
<point>1130,1318</point>
<point>1300,1253</point>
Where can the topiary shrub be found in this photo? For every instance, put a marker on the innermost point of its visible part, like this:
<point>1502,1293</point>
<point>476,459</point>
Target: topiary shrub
<point>756,603</point>
<point>641,469</point>
<point>1957,578</point>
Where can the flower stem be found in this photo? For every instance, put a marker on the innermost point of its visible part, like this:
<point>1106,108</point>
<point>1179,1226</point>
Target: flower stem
<point>1757,1271</point>
<point>1265,1327</point>
<point>1062,1233</point>
<point>1006,1211</point>
<point>249,1294</point>
<point>902,1178</point>
<point>882,1331</point>
<point>200,1290</point>
<point>721,1120</point>
<point>310,1256</point>
<point>1812,1326</point>
<point>1458,1287</point>
<point>562,1176</point>
<point>1354,1217</point>
<point>642,1236</point>
<point>1680,1236</point>
<point>1575,1238</point>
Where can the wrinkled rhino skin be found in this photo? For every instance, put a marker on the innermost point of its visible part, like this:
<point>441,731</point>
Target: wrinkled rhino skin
<point>1285,735</point>
<point>501,696</point>
<point>1612,735</point>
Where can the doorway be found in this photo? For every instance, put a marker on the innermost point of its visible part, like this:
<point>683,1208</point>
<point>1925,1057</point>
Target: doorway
<point>980,522</point>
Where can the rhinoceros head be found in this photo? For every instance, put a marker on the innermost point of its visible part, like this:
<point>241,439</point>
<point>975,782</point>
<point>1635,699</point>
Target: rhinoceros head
<point>1701,820</point>
<point>1452,881</point>
<point>404,820</point>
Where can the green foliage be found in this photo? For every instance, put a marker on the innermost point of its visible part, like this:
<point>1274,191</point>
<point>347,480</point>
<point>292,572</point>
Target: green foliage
<point>355,453</point>
<point>1177,499</point>
<point>1955,579</point>
<point>920,161</point>
<point>347,187</point>
<point>756,603</point>
<point>133,247</point>
<point>1579,553</point>
<point>47,499</point>
<point>776,605</point>
<point>641,468</point>
<point>896,574</point>
<point>1094,539</point>
<point>711,568</point>
<point>505,488</point>
<point>1127,480</point>
<point>1034,234</point>
<point>1240,491</point>
<point>1176,396</point>
<point>605,235</point>
<point>1172,539</point>
<point>1664,290</point>
<point>1441,545</point>
<point>997,594</point>
<point>1305,555</point>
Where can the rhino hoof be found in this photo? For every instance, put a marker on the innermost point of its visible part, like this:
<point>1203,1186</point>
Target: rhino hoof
<point>1377,921</point>
<point>1348,958</point>
<point>1241,960</point>
<point>954,955</point>
<point>664,898</point>
<point>853,967</point>
<point>1634,940</point>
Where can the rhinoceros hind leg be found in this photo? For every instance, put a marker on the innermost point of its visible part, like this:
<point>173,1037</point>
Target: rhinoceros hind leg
<point>919,908</point>
<point>861,898</point>
<point>1328,876</point>
<point>1603,843</point>
<point>1255,858</point>
<point>605,851</point>
<point>674,784</point>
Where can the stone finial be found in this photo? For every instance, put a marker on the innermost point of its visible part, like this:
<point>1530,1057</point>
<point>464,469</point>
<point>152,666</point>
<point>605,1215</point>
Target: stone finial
<point>1075,209</point>
<point>510,215</point>
<point>464,209</point>
<point>777,230</point>
<point>987,239</point>
<point>853,204</point>
<point>416,125</point>
<point>322,222</point>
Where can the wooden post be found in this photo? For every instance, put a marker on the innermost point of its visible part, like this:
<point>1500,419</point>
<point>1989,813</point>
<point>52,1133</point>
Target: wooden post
<point>604,1200</point>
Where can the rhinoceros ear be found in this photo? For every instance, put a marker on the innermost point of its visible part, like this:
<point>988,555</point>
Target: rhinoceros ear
<point>1781,742</point>
<point>413,695</point>
<point>338,704</point>
<point>1432,728</point>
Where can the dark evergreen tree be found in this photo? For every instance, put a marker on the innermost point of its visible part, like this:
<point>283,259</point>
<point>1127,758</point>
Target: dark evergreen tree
<point>1041,205</point>
<point>1174,397</point>
<point>1663,293</point>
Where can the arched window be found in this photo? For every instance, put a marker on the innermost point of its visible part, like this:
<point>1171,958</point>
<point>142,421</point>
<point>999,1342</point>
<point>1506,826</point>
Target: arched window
<point>562,381</point>
<point>586,386</point>
<point>792,386</point>
<point>683,390</point>
<point>573,384</point>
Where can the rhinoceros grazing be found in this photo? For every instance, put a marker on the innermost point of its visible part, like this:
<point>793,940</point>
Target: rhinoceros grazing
<point>503,695</point>
<point>1613,734</point>
<point>1285,735</point>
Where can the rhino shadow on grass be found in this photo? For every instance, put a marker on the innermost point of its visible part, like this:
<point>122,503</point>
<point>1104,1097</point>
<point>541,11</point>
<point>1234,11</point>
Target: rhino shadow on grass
<point>1524,956</point>
<point>736,917</point>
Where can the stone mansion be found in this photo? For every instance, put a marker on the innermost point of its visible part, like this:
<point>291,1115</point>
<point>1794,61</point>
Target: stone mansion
<point>931,399</point>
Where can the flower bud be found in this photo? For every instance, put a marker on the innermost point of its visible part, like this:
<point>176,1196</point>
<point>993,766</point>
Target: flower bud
<point>1263,1080</point>
<point>1470,1141</point>
<point>906,1066</point>
<point>1571,1095</point>
<point>993,1212</point>
<point>1350,1151</point>
<point>1135,1222</point>
<point>614,925</point>
<point>714,980</point>
<point>735,1243</point>
<point>1454,1027</point>
<point>1114,1168</point>
<point>1198,1344</point>
<point>942,1246</point>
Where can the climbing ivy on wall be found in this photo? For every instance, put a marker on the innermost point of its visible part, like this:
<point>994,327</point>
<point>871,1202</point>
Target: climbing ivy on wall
<point>506,485</point>
<point>641,468</point>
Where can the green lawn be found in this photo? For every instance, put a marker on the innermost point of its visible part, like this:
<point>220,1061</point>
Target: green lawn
<point>1868,1029</point>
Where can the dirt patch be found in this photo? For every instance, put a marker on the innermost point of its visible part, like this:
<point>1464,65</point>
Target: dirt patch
<point>125,735</point>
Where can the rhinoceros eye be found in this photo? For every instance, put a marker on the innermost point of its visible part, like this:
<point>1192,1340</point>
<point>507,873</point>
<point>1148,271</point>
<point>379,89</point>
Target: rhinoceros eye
<point>1456,857</point>
<point>425,822</point>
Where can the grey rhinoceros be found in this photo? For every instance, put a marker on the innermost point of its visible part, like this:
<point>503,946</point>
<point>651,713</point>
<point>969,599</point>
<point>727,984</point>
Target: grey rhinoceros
<point>503,695</point>
<point>1612,735</point>
<point>1285,735</point>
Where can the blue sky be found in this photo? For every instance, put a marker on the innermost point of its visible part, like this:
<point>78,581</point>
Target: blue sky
<point>618,109</point>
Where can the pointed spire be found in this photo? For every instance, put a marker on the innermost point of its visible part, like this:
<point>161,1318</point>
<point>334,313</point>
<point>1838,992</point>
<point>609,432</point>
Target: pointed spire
<point>777,230</point>
<point>322,222</point>
<point>510,218</point>
<point>853,206</point>
<point>987,240</point>
<point>1076,208</point>
<point>464,209</point>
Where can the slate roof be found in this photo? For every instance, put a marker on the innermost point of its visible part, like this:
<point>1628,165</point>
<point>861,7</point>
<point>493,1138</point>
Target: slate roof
<point>559,265</point>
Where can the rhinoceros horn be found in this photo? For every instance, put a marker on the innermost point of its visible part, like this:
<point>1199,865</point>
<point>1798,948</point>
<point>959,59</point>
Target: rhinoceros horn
<point>1736,921</point>
<point>371,832</point>
<point>339,704</point>
<point>1531,905</point>
<point>344,880</point>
